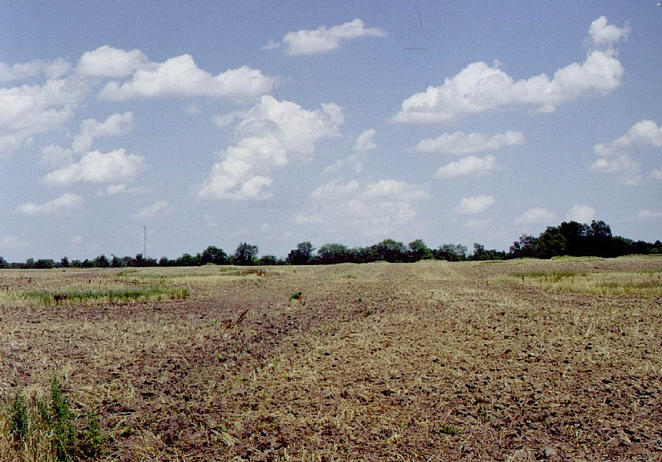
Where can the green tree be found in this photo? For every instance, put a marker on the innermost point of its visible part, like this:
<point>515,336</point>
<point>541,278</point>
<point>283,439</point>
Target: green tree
<point>451,252</point>
<point>213,255</point>
<point>419,251</point>
<point>245,255</point>
<point>302,254</point>
<point>334,253</point>
<point>391,251</point>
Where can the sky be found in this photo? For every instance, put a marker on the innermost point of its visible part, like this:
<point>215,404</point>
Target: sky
<point>274,123</point>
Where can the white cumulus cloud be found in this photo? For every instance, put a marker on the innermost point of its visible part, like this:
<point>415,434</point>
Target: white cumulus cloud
<point>480,87</point>
<point>21,71</point>
<point>153,210</point>
<point>366,209</point>
<point>581,214</point>
<point>461,143</point>
<point>272,133</point>
<point>536,215</point>
<point>324,39</point>
<point>96,167</point>
<point>646,214</point>
<point>363,145</point>
<point>467,166</point>
<point>604,34</point>
<point>615,156</point>
<point>62,205</point>
<point>107,61</point>
<point>475,204</point>
<point>114,125</point>
<point>181,76</point>
<point>27,110</point>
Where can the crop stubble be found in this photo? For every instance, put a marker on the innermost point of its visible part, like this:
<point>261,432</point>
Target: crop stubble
<point>425,361</point>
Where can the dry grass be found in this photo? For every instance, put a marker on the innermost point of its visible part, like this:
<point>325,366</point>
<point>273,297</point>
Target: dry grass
<point>426,361</point>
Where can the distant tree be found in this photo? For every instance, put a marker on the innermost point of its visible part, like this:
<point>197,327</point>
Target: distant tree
<point>334,253</point>
<point>481,254</point>
<point>451,252</point>
<point>3,263</point>
<point>301,255</point>
<point>164,261</point>
<point>419,251</point>
<point>391,251</point>
<point>64,262</point>
<point>245,255</point>
<point>214,255</point>
<point>187,260</point>
<point>268,260</point>
<point>101,262</point>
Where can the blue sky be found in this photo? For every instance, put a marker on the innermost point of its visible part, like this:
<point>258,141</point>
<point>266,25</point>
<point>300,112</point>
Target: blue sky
<point>214,123</point>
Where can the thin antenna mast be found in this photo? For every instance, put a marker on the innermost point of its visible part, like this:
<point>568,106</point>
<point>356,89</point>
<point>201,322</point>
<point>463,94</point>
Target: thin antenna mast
<point>145,247</point>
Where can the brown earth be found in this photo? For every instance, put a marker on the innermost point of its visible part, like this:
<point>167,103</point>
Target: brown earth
<point>425,361</point>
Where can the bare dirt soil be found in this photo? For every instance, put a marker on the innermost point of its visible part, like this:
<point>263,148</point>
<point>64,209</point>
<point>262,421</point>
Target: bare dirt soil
<point>424,361</point>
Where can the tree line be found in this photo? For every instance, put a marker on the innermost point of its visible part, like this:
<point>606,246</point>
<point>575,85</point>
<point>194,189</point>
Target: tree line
<point>569,238</point>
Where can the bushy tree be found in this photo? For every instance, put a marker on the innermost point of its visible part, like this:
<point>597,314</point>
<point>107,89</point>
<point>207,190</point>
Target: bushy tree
<point>391,251</point>
<point>301,255</point>
<point>419,251</point>
<point>213,255</point>
<point>101,262</point>
<point>269,260</point>
<point>245,255</point>
<point>334,253</point>
<point>451,252</point>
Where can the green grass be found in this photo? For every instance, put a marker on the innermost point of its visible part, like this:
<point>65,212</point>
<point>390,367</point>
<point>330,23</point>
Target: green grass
<point>119,295</point>
<point>642,283</point>
<point>45,428</point>
<point>553,276</point>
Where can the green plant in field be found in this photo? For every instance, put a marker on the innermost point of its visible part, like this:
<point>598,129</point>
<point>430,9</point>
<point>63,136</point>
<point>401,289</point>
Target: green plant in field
<point>18,418</point>
<point>119,295</point>
<point>62,423</point>
<point>296,296</point>
<point>47,428</point>
<point>448,429</point>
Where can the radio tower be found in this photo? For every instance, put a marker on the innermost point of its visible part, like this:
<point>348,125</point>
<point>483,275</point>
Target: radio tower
<point>145,242</point>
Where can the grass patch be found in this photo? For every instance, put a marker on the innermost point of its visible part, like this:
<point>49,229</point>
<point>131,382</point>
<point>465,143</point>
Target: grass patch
<point>88,296</point>
<point>45,428</point>
<point>554,276</point>
<point>641,283</point>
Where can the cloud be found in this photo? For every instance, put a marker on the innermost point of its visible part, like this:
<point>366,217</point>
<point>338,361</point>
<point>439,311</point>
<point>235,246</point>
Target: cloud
<point>107,61</point>
<point>460,143</point>
<point>536,215</point>
<point>480,87</point>
<point>62,205</point>
<point>96,167</point>
<point>28,110</point>
<point>474,205</point>
<point>614,156</point>
<point>323,39</point>
<point>467,166</point>
<point>581,214</point>
<point>272,133</point>
<point>151,211</point>
<point>180,76</point>
<point>13,242</point>
<point>363,145</point>
<point>21,71</point>
<point>604,34</point>
<point>367,209</point>
<point>646,214</point>
<point>644,133</point>
<point>121,188</point>
<point>114,125</point>
<point>54,155</point>
<point>656,173</point>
